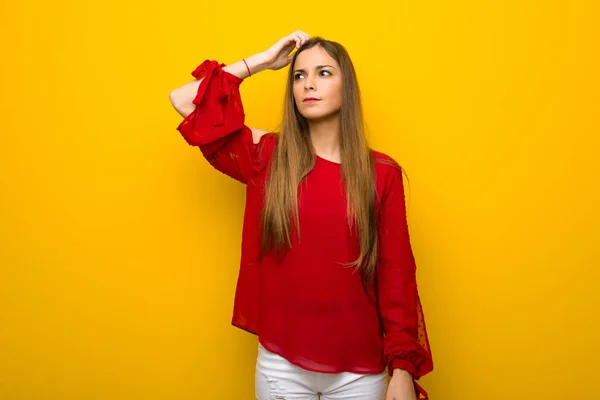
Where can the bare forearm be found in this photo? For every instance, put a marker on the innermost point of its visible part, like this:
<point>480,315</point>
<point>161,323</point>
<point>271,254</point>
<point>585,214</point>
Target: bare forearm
<point>256,64</point>
<point>182,97</point>
<point>401,372</point>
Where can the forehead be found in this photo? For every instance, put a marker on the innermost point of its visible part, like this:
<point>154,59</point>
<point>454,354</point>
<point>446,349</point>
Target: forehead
<point>312,57</point>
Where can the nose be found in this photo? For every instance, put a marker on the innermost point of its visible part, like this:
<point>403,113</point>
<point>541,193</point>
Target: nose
<point>309,84</point>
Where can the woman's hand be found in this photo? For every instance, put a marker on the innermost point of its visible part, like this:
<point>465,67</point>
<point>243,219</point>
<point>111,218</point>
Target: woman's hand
<point>401,386</point>
<point>278,55</point>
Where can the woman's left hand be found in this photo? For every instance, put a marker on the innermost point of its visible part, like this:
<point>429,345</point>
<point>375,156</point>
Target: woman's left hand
<point>401,386</point>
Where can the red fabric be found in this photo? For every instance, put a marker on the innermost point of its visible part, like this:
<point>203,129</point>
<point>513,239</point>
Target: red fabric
<point>307,307</point>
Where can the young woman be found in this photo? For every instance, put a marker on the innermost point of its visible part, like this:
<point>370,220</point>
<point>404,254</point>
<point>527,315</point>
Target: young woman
<point>327,277</point>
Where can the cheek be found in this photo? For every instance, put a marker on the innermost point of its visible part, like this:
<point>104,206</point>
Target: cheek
<point>335,92</point>
<point>298,93</point>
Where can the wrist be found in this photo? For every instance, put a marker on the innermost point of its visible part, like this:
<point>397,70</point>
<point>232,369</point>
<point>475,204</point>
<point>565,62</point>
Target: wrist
<point>401,372</point>
<point>257,63</point>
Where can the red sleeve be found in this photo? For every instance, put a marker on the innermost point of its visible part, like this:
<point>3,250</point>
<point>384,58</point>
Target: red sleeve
<point>217,127</point>
<point>406,345</point>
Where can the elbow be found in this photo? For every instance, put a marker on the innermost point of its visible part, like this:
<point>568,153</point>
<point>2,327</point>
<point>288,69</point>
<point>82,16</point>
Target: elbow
<point>174,98</point>
<point>179,105</point>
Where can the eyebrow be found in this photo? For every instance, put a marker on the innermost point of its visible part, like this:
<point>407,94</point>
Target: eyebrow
<point>317,68</point>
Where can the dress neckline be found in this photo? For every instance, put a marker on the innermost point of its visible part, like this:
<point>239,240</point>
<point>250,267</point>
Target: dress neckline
<point>328,161</point>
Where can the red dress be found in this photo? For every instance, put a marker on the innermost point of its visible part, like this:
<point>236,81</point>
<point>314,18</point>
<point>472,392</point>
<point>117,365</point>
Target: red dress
<point>307,307</point>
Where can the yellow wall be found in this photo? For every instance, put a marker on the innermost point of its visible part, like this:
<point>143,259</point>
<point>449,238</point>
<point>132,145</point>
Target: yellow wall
<point>120,244</point>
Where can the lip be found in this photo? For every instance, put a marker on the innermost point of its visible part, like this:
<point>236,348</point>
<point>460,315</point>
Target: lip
<point>311,100</point>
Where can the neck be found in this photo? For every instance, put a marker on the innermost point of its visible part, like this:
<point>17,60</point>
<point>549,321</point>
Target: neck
<point>325,137</point>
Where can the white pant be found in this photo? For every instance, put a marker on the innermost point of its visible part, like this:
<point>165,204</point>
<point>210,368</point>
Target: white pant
<point>278,379</point>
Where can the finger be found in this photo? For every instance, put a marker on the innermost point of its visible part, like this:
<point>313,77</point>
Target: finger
<point>288,39</point>
<point>299,40</point>
<point>284,42</point>
<point>290,42</point>
<point>304,35</point>
<point>296,39</point>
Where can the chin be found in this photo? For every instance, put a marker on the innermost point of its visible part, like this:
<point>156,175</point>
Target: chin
<point>315,115</point>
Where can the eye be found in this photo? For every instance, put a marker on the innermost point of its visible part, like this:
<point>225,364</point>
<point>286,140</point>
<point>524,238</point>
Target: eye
<point>298,75</point>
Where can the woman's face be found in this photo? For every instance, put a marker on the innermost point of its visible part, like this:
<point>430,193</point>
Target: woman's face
<point>317,75</point>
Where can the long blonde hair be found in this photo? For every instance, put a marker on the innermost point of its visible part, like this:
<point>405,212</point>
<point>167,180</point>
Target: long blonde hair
<point>294,158</point>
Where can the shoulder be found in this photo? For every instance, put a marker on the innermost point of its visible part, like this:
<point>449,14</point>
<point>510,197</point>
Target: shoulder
<point>388,173</point>
<point>385,164</point>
